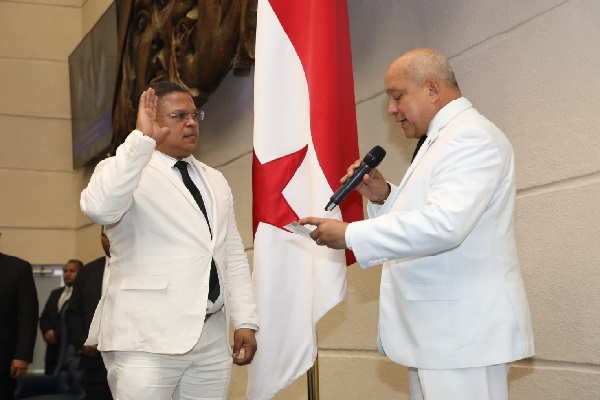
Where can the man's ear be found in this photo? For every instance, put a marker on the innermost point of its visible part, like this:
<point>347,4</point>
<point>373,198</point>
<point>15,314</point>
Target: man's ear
<point>434,87</point>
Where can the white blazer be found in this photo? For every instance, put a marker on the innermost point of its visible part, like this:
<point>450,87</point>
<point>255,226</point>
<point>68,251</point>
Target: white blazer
<point>451,293</point>
<point>161,251</point>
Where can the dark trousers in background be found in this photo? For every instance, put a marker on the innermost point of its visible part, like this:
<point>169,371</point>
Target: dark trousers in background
<point>93,379</point>
<point>7,385</point>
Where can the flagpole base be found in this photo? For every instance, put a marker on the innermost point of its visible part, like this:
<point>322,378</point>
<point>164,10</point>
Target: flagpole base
<point>312,379</point>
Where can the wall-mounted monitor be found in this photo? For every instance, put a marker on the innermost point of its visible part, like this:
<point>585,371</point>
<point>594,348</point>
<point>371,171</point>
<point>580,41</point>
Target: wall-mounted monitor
<point>92,75</point>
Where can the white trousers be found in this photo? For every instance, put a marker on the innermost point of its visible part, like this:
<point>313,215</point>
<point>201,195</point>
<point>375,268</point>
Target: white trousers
<point>203,373</point>
<point>481,383</point>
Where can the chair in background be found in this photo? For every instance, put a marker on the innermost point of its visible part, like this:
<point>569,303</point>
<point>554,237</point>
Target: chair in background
<point>64,383</point>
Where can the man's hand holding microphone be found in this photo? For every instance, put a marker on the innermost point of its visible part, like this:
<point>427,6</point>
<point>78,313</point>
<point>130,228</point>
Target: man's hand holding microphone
<point>368,181</point>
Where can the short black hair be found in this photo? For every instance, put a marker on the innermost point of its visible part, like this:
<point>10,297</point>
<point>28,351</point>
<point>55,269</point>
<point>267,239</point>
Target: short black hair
<point>75,261</point>
<point>163,88</point>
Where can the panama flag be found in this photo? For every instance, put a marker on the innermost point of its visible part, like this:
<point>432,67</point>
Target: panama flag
<point>305,138</point>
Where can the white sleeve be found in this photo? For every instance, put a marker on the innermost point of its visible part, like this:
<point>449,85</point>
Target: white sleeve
<point>462,184</point>
<point>109,193</point>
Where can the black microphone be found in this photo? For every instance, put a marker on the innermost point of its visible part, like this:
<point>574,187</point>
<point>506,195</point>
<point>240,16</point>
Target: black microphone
<point>371,160</point>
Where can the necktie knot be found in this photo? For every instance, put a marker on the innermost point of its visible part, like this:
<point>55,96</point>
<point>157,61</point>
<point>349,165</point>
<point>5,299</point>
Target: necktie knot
<point>181,165</point>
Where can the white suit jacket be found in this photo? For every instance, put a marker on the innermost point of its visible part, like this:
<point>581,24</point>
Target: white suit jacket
<point>451,293</point>
<point>161,251</point>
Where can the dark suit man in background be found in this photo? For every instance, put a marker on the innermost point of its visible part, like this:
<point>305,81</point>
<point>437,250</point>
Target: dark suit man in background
<point>50,318</point>
<point>18,321</point>
<point>87,291</point>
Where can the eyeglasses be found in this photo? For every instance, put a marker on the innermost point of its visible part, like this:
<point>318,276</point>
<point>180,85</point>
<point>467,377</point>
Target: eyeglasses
<point>197,115</point>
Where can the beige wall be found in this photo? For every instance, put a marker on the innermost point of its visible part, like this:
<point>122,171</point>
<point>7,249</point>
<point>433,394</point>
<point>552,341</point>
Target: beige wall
<point>40,218</point>
<point>37,205</point>
<point>529,66</point>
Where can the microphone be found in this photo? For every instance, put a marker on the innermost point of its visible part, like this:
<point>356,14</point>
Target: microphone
<point>371,160</point>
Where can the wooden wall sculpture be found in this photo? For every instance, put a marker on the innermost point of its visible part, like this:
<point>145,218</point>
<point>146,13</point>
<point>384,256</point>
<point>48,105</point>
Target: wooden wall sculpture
<point>193,42</point>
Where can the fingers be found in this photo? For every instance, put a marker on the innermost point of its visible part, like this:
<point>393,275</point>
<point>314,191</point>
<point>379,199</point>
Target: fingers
<point>150,103</point>
<point>18,368</point>
<point>148,99</point>
<point>144,100</point>
<point>316,233</point>
<point>153,106</point>
<point>328,232</point>
<point>143,120</point>
<point>350,171</point>
<point>244,346</point>
<point>310,221</point>
<point>247,356</point>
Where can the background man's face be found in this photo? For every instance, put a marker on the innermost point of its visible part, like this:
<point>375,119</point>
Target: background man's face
<point>70,271</point>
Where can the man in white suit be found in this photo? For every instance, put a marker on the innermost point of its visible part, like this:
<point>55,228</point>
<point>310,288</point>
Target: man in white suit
<point>452,306</point>
<point>160,332</point>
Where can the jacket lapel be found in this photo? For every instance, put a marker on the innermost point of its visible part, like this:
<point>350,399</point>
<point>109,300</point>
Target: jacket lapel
<point>431,139</point>
<point>175,180</point>
<point>436,127</point>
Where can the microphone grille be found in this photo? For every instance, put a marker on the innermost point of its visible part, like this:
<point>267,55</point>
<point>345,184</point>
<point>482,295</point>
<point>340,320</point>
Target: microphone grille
<point>374,157</point>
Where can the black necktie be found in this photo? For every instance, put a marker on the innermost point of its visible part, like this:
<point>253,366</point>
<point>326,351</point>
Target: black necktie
<point>214,289</point>
<point>421,141</point>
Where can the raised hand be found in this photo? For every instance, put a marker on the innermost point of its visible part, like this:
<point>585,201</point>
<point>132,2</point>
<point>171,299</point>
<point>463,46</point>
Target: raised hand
<point>146,117</point>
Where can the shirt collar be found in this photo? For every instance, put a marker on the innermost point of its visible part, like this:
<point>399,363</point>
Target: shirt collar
<point>447,114</point>
<point>170,161</point>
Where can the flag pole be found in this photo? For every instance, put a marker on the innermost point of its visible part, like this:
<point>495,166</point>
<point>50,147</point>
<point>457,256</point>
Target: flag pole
<point>312,379</point>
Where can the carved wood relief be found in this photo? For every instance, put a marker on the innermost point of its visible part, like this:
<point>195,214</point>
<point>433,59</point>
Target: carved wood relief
<point>194,43</point>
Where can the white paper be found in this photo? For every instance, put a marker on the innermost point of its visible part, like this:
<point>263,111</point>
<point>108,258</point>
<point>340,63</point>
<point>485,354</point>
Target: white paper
<point>301,230</point>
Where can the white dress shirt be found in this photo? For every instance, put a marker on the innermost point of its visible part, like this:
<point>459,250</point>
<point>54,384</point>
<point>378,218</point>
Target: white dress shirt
<point>201,185</point>
<point>64,296</point>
